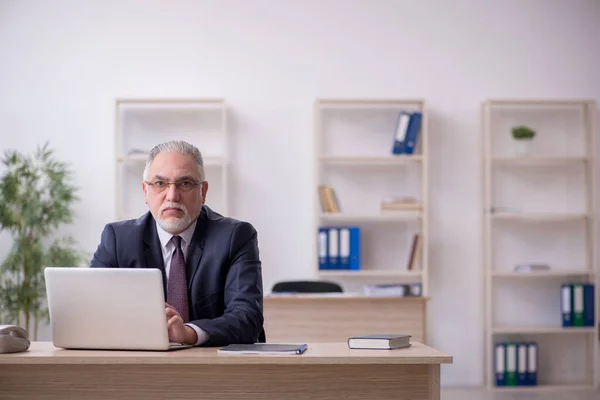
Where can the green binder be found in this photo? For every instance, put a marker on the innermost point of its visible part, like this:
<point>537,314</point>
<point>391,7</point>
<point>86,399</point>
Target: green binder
<point>577,304</point>
<point>511,364</point>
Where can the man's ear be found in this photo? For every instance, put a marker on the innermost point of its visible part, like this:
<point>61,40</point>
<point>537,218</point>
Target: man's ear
<point>204,190</point>
<point>145,190</point>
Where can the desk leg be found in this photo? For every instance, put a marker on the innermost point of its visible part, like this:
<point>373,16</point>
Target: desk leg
<point>434,382</point>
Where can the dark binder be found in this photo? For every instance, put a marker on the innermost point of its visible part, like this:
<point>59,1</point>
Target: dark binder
<point>589,312</point>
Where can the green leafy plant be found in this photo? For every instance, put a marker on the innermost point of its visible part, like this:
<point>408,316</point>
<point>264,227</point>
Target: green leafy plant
<point>36,197</point>
<point>522,132</point>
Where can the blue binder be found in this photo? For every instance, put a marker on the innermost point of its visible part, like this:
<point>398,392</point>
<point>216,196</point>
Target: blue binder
<point>532,363</point>
<point>349,247</point>
<point>354,248</point>
<point>500,364</point>
<point>522,351</point>
<point>323,248</point>
<point>414,126</point>
<point>333,247</point>
<point>589,310</point>
<point>344,246</point>
<point>401,131</point>
<point>565,304</point>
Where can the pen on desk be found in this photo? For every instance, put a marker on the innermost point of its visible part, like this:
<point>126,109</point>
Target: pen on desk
<point>302,349</point>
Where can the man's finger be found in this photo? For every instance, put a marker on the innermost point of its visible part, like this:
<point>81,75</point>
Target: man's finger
<point>170,312</point>
<point>173,320</point>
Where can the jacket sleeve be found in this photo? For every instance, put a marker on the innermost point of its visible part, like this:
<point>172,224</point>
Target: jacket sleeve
<point>242,321</point>
<point>105,255</point>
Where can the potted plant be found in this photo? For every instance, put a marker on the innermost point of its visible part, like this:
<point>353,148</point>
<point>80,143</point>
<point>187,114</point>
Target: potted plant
<point>523,137</point>
<point>36,197</point>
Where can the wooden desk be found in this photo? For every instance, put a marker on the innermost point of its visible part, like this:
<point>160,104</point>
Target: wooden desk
<point>326,318</point>
<point>324,371</point>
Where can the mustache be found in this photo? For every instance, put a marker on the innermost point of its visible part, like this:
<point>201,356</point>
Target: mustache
<point>173,205</point>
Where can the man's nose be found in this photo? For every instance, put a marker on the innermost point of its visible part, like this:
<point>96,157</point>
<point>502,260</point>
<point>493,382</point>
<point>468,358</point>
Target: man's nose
<point>172,193</point>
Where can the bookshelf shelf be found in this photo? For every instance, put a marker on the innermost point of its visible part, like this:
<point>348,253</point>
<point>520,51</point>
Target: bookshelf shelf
<point>142,123</point>
<point>540,274</point>
<point>367,104</point>
<point>371,273</point>
<point>358,161</point>
<point>395,216</point>
<point>537,161</point>
<point>541,330</point>
<point>540,103</point>
<point>545,388</point>
<point>539,217</point>
<point>557,173</point>
<point>141,158</point>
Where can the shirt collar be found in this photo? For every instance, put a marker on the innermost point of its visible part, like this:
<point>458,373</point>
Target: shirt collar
<point>165,237</point>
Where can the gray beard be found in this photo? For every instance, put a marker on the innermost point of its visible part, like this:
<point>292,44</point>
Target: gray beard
<point>175,225</point>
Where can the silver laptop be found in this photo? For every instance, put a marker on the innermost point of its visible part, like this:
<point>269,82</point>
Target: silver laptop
<point>107,308</point>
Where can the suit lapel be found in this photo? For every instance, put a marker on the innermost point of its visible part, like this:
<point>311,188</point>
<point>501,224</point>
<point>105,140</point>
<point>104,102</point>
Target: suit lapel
<point>196,247</point>
<point>152,251</point>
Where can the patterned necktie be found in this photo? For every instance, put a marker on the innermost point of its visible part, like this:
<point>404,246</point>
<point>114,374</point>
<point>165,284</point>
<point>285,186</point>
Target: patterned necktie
<point>177,293</point>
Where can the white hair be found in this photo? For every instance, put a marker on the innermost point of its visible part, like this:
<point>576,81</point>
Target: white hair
<point>176,146</point>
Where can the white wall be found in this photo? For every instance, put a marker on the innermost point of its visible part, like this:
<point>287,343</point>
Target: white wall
<point>62,64</point>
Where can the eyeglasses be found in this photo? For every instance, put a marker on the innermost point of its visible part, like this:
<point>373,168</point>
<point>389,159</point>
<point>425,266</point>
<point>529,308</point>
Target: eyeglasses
<point>184,186</point>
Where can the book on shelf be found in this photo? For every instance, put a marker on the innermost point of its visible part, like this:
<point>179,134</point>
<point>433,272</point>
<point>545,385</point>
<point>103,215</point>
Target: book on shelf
<point>380,341</point>
<point>415,252</point>
<point>406,133</point>
<point>531,267</point>
<point>138,152</point>
<point>328,199</point>
<point>515,363</point>
<point>401,203</point>
<point>339,248</point>
<point>577,305</point>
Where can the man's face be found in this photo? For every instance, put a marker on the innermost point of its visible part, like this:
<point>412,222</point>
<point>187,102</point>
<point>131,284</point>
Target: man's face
<point>174,208</point>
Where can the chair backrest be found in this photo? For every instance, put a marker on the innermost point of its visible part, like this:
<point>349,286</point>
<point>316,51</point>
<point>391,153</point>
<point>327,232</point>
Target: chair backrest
<point>307,287</point>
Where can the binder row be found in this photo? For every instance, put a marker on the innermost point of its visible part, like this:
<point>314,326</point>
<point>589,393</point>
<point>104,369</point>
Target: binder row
<point>577,305</point>
<point>516,363</point>
<point>339,248</point>
<point>407,132</point>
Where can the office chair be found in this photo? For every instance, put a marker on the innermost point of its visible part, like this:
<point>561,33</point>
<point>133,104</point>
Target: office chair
<point>307,287</point>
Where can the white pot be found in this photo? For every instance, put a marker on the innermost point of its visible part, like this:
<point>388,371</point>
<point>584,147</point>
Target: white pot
<point>523,146</point>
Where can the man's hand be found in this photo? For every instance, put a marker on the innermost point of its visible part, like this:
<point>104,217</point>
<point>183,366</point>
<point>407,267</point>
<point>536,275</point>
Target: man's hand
<point>178,332</point>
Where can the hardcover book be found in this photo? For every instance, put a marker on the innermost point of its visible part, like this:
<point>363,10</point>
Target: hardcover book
<point>380,341</point>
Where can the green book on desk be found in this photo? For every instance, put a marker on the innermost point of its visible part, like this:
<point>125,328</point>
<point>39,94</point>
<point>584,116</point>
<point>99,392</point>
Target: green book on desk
<point>380,341</point>
<point>264,348</point>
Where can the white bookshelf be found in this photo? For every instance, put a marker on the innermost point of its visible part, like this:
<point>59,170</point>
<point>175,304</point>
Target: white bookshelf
<point>540,208</point>
<point>142,123</point>
<point>353,154</point>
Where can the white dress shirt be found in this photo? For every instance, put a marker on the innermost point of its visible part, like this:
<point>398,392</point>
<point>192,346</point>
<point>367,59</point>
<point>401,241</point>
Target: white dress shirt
<point>168,248</point>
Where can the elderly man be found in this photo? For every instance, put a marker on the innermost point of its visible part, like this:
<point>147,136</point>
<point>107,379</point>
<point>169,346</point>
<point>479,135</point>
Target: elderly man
<point>210,263</point>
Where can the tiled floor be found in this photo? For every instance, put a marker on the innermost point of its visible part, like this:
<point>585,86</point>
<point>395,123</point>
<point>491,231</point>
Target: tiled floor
<point>482,394</point>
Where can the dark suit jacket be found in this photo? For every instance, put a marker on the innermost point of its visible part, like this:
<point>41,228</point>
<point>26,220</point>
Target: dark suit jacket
<point>223,269</point>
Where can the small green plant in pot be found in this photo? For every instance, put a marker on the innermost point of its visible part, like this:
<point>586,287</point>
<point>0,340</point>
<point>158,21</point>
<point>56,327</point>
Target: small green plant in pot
<point>523,137</point>
<point>36,197</point>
